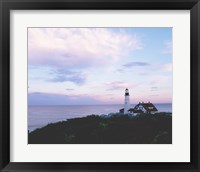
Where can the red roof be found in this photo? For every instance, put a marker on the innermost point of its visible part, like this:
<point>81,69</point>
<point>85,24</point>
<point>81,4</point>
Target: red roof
<point>147,106</point>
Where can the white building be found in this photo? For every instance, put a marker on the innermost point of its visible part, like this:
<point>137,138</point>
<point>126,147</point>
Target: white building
<point>126,102</point>
<point>144,108</point>
<point>139,108</point>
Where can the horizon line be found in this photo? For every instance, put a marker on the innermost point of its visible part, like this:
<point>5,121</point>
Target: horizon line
<point>96,104</point>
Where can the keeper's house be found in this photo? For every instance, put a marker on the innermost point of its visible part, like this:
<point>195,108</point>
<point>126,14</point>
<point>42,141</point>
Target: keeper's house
<point>141,108</point>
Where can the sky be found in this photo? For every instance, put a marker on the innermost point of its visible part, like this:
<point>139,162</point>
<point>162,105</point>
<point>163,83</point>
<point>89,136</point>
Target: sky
<point>90,66</point>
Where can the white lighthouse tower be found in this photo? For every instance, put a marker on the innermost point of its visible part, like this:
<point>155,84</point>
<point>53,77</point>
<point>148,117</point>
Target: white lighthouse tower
<point>126,102</point>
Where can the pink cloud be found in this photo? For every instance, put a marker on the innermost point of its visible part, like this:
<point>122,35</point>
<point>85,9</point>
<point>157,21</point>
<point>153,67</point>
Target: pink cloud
<point>78,47</point>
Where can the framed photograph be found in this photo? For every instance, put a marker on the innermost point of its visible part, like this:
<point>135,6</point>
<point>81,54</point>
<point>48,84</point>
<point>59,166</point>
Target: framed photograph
<point>66,80</point>
<point>99,85</point>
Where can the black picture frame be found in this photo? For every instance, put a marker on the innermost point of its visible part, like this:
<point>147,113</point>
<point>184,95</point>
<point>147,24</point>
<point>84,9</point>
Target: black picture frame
<point>7,5</point>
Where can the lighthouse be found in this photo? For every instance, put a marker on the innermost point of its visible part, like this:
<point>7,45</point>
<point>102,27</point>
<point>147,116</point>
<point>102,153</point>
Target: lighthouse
<point>126,102</point>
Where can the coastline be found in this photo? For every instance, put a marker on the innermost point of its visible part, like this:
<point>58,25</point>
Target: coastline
<point>40,116</point>
<point>113,129</point>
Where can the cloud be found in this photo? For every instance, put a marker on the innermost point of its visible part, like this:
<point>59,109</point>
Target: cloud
<point>154,89</point>
<point>40,98</point>
<point>78,47</point>
<point>69,89</point>
<point>65,75</point>
<point>120,70</point>
<point>143,73</point>
<point>155,95</point>
<point>120,85</point>
<point>161,81</point>
<point>133,64</point>
<point>117,85</point>
<point>77,79</point>
<point>167,47</point>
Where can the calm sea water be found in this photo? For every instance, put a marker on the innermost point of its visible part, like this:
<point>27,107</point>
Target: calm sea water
<point>39,116</point>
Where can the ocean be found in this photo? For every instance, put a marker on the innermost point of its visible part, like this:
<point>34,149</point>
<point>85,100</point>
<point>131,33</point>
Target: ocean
<point>39,116</point>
